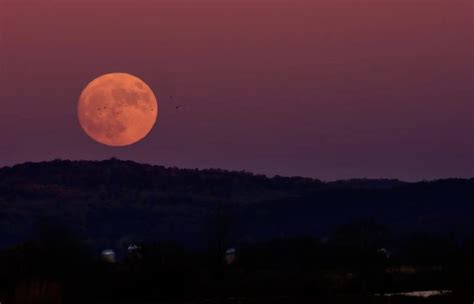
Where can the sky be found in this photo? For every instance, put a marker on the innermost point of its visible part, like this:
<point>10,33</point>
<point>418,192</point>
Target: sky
<point>331,89</point>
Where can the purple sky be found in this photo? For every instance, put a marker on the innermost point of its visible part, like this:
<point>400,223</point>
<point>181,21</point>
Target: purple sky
<point>329,89</point>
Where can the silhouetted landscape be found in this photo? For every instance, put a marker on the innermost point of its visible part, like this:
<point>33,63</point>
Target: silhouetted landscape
<point>291,238</point>
<point>236,152</point>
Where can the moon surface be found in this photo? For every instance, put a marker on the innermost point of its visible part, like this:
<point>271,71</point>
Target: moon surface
<point>117,109</point>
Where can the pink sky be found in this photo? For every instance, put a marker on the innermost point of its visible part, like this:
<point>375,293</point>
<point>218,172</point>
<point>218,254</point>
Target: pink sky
<point>329,89</point>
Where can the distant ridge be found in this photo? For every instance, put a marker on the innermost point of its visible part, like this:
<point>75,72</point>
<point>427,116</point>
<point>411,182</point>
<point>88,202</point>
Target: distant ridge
<point>112,201</point>
<point>354,182</point>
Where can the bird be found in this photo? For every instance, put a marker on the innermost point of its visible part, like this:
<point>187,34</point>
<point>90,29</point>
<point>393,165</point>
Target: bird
<point>177,107</point>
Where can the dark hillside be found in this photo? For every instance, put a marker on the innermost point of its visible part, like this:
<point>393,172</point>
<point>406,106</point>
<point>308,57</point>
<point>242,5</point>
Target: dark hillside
<point>113,202</point>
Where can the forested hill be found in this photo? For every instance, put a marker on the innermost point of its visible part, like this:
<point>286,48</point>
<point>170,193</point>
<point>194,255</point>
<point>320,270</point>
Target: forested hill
<point>114,201</point>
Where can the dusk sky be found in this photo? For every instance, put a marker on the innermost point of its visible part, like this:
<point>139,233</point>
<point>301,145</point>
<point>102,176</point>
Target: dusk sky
<point>330,89</point>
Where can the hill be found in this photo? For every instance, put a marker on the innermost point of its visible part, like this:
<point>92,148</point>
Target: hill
<point>115,202</point>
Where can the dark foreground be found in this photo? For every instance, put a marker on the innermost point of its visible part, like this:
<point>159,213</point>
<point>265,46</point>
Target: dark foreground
<point>326,300</point>
<point>280,271</point>
<point>295,240</point>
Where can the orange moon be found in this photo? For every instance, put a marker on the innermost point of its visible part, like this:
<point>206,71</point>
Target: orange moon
<point>117,109</point>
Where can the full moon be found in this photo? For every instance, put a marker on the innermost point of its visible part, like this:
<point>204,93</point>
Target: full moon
<point>117,109</point>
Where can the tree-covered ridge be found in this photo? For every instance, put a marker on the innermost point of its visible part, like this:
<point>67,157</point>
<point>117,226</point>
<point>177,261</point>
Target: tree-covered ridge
<point>113,201</point>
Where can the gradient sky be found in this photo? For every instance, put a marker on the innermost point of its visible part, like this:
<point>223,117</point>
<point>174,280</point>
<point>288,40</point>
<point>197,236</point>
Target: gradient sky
<point>322,88</point>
